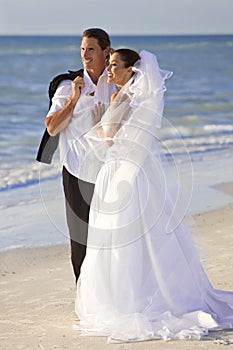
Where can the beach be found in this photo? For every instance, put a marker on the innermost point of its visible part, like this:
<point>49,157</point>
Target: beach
<point>38,292</point>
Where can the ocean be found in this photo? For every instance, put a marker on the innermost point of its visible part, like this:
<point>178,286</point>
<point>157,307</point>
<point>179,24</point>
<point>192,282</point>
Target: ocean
<point>197,129</point>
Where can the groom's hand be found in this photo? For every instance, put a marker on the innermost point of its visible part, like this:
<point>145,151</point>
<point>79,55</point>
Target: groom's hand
<point>77,86</point>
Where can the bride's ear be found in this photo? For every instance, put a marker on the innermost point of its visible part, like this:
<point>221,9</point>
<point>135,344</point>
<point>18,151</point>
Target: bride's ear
<point>108,51</point>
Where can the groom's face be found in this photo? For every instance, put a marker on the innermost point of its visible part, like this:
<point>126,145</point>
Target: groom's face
<point>93,56</point>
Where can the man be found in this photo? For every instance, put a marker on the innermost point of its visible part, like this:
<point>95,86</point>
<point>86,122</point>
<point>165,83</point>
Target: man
<point>71,116</point>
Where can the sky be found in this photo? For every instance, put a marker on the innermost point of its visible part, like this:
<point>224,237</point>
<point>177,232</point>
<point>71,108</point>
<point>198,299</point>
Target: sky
<point>155,17</point>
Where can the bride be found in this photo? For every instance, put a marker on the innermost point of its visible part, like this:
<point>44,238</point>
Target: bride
<point>139,280</point>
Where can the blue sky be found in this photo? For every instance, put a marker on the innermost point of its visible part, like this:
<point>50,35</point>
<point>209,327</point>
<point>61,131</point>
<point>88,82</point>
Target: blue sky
<point>71,17</point>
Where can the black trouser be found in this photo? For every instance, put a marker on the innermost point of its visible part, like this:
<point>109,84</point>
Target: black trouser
<point>78,196</point>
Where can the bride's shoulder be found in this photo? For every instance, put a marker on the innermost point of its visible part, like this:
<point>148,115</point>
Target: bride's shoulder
<point>114,95</point>
<point>120,97</point>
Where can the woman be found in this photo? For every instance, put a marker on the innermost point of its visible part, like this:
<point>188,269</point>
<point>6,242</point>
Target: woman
<point>139,280</point>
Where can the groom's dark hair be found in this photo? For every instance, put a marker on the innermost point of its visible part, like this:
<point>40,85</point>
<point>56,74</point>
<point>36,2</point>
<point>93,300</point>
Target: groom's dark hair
<point>99,34</point>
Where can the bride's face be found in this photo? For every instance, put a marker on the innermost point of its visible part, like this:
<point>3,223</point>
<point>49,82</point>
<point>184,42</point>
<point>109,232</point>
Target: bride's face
<point>117,72</point>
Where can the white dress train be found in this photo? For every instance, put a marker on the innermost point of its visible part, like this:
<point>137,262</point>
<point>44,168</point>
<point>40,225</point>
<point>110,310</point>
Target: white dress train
<point>147,288</point>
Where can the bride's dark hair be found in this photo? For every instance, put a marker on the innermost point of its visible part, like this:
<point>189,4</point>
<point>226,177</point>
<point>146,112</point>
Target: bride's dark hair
<point>129,57</point>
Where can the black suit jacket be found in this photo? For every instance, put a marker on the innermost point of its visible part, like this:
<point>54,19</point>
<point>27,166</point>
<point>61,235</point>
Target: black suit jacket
<point>48,144</point>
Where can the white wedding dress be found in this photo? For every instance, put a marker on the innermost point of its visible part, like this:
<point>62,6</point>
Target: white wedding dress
<point>139,279</point>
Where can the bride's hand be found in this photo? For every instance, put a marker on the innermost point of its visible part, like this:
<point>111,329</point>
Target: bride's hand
<point>97,112</point>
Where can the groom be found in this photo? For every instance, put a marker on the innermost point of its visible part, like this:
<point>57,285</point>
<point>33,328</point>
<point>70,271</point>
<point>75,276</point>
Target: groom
<point>69,117</point>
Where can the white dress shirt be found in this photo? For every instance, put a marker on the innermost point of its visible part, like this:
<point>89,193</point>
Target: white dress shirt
<point>75,154</point>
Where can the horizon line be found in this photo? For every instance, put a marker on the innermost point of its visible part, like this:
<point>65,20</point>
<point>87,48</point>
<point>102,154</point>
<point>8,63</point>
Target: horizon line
<point>125,34</point>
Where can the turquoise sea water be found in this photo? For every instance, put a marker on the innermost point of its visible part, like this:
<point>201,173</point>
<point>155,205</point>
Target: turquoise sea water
<point>198,106</point>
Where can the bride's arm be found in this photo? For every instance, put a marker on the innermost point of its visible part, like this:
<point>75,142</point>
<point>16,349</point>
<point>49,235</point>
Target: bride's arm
<point>111,129</point>
<point>117,112</point>
<point>108,131</point>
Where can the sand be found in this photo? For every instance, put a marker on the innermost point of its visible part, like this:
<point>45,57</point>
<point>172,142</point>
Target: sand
<point>37,292</point>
